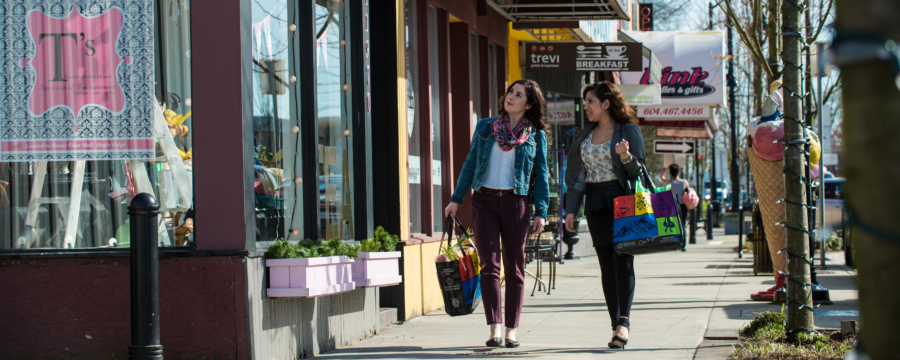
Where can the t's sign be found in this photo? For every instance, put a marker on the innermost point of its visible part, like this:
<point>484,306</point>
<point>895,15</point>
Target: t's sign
<point>645,14</point>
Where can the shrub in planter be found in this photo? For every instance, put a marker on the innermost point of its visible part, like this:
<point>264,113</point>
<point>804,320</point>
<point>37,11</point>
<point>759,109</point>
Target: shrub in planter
<point>309,268</point>
<point>377,262</point>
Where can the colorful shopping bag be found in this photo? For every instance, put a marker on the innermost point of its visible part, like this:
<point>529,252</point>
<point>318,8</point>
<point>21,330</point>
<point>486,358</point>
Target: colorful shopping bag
<point>653,223</point>
<point>459,272</point>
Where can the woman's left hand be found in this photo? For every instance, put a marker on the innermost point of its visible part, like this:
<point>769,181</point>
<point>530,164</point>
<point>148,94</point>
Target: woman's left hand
<point>622,149</point>
<point>538,225</point>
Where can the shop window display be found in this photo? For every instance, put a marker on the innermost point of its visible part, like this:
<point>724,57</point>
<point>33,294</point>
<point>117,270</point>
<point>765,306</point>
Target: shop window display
<point>333,109</point>
<point>276,129</point>
<point>434,69</point>
<point>81,133</point>
<point>413,117</point>
<point>278,208</point>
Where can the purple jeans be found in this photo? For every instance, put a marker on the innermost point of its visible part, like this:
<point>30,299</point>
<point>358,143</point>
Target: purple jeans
<point>501,219</point>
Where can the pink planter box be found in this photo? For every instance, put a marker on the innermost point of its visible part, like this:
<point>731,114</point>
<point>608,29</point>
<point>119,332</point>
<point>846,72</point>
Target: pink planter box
<point>309,277</point>
<point>376,269</point>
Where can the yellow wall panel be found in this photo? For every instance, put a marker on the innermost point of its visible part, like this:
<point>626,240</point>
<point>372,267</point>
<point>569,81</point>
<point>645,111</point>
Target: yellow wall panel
<point>431,291</point>
<point>412,280</point>
<point>402,155</point>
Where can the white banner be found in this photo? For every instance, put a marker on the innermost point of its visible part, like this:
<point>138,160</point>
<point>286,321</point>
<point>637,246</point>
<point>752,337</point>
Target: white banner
<point>77,82</point>
<point>692,66</point>
<point>674,112</point>
<point>641,94</point>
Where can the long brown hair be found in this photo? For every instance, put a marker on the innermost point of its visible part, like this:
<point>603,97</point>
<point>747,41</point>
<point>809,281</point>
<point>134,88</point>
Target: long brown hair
<point>534,97</point>
<point>619,110</point>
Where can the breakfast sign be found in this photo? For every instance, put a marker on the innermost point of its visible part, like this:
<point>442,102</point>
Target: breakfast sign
<point>78,82</point>
<point>583,57</point>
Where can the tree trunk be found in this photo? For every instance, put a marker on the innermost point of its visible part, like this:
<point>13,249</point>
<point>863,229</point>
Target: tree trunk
<point>800,318</point>
<point>871,109</point>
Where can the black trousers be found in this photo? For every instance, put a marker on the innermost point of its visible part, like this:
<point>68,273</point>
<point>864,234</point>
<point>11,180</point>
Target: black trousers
<point>616,271</point>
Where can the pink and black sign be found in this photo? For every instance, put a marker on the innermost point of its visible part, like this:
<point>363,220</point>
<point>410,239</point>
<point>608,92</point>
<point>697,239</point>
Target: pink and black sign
<point>82,85</point>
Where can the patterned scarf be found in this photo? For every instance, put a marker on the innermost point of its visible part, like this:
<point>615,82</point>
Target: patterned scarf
<point>508,138</point>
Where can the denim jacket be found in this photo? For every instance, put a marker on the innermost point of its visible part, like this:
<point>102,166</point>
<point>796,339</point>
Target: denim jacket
<point>576,187</point>
<point>533,152</point>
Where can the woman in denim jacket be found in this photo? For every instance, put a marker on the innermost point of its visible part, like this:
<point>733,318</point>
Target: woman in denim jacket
<point>505,152</point>
<point>601,165</point>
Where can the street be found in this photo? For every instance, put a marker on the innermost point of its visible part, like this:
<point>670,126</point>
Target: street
<point>683,300</point>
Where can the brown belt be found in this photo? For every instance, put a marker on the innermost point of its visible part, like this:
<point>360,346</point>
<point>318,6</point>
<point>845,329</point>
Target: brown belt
<point>494,192</point>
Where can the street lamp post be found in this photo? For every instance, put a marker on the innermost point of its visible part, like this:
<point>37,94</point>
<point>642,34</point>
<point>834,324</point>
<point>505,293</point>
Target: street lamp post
<point>735,176</point>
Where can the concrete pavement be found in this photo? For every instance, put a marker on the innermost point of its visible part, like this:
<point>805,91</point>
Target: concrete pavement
<point>683,301</point>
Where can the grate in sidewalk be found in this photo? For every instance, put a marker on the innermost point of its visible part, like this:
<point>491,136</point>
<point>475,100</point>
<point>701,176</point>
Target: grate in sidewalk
<point>499,353</point>
<point>743,272</point>
<point>728,266</point>
<point>833,313</point>
<point>709,283</point>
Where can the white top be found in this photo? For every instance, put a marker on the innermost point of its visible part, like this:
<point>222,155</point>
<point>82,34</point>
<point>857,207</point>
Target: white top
<point>597,161</point>
<point>500,169</point>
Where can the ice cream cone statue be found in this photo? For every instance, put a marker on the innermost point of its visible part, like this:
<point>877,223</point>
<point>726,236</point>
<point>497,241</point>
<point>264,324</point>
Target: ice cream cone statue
<point>766,154</point>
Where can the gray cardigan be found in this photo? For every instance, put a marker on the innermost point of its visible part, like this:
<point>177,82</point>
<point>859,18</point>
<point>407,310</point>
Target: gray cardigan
<point>576,187</point>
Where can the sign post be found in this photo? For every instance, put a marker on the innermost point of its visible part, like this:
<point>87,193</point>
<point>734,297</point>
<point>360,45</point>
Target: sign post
<point>673,147</point>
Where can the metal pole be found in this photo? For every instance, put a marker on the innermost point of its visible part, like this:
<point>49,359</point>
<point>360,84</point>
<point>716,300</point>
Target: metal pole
<point>821,59</point>
<point>735,175</point>
<point>145,345</point>
<point>713,185</point>
<point>693,235</point>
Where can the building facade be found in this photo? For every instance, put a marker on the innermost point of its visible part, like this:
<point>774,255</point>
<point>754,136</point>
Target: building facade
<point>313,119</point>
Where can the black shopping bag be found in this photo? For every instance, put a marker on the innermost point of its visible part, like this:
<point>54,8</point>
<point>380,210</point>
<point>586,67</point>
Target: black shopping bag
<point>459,272</point>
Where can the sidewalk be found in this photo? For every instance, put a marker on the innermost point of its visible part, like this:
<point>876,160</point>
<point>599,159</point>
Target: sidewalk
<point>681,299</point>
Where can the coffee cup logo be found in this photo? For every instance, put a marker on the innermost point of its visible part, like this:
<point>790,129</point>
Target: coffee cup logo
<point>615,51</point>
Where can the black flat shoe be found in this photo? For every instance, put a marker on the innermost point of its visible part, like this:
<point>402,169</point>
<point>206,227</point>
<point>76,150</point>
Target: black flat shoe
<point>512,343</point>
<point>613,345</point>
<point>495,342</point>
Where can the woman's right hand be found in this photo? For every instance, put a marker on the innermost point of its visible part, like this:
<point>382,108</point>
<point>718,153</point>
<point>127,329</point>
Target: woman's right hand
<point>570,222</point>
<point>451,209</point>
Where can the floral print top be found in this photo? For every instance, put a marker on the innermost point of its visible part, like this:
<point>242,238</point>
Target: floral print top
<point>597,161</point>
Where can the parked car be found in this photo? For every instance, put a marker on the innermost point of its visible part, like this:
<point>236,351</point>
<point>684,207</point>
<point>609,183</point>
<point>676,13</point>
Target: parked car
<point>834,204</point>
<point>722,190</point>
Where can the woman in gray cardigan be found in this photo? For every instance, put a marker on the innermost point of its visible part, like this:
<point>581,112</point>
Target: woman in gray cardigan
<point>602,164</point>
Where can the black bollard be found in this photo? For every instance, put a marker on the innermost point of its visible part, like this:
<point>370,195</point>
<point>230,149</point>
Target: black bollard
<point>144,212</point>
<point>693,235</point>
<point>708,224</point>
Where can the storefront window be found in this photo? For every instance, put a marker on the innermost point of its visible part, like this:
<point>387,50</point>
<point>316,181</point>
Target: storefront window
<point>82,131</point>
<point>278,204</point>
<point>434,70</point>
<point>413,118</point>
<point>476,79</point>
<point>333,109</point>
<point>493,97</point>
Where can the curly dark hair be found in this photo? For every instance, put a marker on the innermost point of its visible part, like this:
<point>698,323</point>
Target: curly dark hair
<point>535,98</point>
<point>619,110</point>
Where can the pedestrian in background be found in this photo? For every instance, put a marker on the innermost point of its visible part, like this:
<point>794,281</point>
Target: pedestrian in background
<point>505,152</point>
<point>679,185</point>
<point>594,172</point>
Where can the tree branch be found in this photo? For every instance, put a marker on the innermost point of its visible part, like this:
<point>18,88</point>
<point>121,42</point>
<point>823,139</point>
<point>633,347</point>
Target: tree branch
<point>822,18</point>
<point>754,47</point>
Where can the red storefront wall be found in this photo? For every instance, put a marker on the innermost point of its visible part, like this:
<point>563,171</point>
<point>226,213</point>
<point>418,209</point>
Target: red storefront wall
<point>80,307</point>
